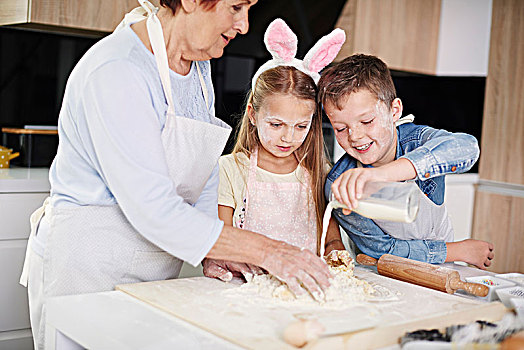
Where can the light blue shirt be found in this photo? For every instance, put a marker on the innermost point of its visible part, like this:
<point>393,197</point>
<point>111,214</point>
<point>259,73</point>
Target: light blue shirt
<point>110,150</point>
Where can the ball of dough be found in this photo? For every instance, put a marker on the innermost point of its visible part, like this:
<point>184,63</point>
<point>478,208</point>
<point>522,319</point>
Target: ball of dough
<point>301,332</point>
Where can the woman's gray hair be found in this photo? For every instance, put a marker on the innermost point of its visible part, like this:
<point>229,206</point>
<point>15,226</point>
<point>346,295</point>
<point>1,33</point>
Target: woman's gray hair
<point>175,4</point>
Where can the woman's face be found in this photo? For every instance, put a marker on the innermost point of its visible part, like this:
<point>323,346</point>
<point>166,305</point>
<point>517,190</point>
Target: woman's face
<point>282,123</point>
<point>214,28</point>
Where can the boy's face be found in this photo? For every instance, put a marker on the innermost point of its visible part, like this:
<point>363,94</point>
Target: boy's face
<point>365,127</point>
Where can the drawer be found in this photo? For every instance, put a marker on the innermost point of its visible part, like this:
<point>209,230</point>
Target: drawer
<point>13,298</point>
<point>15,210</point>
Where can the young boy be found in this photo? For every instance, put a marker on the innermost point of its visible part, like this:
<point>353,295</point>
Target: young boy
<point>360,101</point>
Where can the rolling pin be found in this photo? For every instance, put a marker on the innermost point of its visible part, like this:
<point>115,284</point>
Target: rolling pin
<point>422,274</point>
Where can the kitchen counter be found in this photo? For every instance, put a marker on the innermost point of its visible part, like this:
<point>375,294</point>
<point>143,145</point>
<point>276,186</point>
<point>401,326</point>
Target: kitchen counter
<point>117,320</point>
<point>19,179</point>
<point>22,190</point>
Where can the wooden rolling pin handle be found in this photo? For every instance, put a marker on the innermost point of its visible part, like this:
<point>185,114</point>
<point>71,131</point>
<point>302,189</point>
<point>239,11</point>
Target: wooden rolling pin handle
<point>477,289</point>
<point>364,259</point>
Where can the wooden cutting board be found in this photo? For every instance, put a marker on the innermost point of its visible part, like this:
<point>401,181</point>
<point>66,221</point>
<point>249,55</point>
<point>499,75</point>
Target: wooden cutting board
<point>257,323</point>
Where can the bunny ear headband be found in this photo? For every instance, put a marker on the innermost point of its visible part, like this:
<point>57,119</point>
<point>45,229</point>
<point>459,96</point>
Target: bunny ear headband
<point>281,42</point>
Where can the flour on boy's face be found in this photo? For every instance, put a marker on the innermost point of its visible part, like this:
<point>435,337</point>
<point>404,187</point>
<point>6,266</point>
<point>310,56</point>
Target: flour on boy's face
<point>364,128</point>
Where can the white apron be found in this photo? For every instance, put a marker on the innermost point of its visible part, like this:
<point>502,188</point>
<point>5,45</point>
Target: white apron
<point>432,221</point>
<point>93,248</point>
<point>282,211</point>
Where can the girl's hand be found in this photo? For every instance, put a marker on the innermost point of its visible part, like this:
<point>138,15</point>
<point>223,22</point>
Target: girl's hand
<point>226,270</point>
<point>348,188</point>
<point>333,245</point>
<point>338,258</point>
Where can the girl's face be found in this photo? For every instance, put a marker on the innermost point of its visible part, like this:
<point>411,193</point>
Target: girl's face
<point>282,123</point>
<point>365,127</point>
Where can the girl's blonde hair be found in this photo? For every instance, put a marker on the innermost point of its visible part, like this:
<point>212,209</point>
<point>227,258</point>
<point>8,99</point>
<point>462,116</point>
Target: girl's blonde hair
<point>311,154</point>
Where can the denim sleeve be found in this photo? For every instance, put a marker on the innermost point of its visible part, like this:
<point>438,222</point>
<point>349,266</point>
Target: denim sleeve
<point>441,152</point>
<point>371,240</point>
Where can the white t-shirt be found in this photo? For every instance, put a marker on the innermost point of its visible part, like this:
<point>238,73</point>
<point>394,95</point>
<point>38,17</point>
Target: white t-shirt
<point>232,187</point>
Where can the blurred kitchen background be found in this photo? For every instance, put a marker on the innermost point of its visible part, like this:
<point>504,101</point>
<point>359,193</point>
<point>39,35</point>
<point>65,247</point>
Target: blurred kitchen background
<point>35,64</point>
<point>456,64</point>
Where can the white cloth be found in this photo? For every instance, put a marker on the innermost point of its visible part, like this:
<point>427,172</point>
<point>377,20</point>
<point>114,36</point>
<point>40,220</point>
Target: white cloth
<point>432,223</point>
<point>93,248</point>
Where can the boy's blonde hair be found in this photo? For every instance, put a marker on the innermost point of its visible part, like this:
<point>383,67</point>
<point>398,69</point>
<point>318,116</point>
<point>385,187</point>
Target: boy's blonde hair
<point>353,74</point>
<point>311,154</point>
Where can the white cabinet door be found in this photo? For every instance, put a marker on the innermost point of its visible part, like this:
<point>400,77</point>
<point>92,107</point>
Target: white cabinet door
<point>14,312</point>
<point>15,210</point>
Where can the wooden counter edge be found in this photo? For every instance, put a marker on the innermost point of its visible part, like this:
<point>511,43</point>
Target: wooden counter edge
<point>383,336</point>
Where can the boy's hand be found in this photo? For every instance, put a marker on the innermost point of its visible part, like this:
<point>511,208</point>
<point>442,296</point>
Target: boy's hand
<point>471,251</point>
<point>349,186</point>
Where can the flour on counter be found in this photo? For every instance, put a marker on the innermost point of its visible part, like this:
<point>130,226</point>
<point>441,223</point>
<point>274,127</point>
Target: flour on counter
<point>345,290</point>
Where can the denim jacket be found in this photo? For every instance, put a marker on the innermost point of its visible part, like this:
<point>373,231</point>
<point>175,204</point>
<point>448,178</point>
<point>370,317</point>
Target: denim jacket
<point>434,153</point>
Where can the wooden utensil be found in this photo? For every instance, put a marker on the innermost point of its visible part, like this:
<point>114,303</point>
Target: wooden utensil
<point>422,274</point>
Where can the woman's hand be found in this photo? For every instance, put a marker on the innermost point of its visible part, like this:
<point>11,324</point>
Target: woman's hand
<point>299,268</point>
<point>226,270</point>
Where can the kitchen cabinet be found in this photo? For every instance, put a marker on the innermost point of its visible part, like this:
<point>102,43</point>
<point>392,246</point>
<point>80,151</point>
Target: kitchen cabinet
<point>22,190</point>
<point>498,219</point>
<point>499,202</point>
<point>438,37</point>
<point>65,15</point>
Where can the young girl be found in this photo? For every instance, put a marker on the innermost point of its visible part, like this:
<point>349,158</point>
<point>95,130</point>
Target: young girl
<point>273,181</point>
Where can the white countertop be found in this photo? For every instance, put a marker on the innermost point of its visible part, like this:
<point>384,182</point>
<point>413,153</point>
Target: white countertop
<point>117,320</point>
<point>19,179</point>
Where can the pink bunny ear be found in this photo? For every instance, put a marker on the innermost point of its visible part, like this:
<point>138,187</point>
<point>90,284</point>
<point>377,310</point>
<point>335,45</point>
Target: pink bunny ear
<point>280,40</point>
<point>324,51</point>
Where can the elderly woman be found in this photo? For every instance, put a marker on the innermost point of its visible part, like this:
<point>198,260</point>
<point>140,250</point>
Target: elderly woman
<point>134,181</point>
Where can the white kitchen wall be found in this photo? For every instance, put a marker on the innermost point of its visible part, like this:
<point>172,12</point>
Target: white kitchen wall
<point>459,199</point>
<point>464,34</point>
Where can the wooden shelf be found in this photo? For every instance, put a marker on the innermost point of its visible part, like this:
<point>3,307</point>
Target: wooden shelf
<point>91,15</point>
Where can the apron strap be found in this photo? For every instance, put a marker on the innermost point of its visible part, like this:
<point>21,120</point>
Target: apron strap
<point>410,118</point>
<point>35,221</point>
<point>253,159</point>
<point>156,37</point>
<point>203,84</point>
